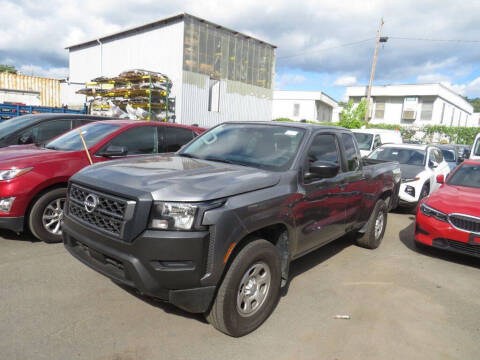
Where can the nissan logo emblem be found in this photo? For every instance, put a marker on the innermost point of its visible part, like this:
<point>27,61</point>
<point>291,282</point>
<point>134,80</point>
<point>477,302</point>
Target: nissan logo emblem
<point>90,203</point>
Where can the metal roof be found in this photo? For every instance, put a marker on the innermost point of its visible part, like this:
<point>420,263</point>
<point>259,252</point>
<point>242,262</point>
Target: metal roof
<point>155,24</point>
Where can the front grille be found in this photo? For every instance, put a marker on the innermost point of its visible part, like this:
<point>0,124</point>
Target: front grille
<point>464,247</point>
<point>465,223</point>
<point>109,215</point>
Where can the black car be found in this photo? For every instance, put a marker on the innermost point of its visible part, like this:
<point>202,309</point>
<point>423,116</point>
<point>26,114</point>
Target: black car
<point>40,128</point>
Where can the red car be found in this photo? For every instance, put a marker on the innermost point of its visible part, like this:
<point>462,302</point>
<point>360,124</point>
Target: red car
<point>33,179</point>
<point>450,217</point>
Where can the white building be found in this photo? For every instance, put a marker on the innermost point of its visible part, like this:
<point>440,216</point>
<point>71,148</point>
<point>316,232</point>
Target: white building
<point>415,104</point>
<point>308,105</point>
<point>218,74</point>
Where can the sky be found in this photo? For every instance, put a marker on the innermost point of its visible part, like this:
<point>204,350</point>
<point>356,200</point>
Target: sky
<point>323,45</point>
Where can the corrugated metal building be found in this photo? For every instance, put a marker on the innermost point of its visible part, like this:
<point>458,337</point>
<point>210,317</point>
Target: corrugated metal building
<point>30,90</point>
<point>218,74</point>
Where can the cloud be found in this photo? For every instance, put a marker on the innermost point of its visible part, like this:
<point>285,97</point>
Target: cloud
<point>433,78</point>
<point>311,38</point>
<point>54,72</point>
<point>284,80</point>
<point>345,81</point>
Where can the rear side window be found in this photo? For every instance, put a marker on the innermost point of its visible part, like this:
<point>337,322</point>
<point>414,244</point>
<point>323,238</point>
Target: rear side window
<point>174,138</point>
<point>350,152</point>
<point>139,140</point>
<point>323,148</point>
<point>50,129</point>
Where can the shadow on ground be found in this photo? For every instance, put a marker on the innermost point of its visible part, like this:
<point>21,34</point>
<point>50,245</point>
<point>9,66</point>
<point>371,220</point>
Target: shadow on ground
<point>407,237</point>
<point>10,235</point>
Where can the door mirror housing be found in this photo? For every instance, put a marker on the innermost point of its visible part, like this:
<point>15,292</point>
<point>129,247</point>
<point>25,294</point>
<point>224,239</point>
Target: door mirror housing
<point>26,138</point>
<point>114,150</point>
<point>441,179</point>
<point>322,170</point>
<point>432,164</point>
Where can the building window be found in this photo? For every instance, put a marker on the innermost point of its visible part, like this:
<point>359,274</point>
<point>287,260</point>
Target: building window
<point>427,109</point>
<point>379,110</point>
<point>296,109</point>
<point>443,113</point>
<point>214,95</point>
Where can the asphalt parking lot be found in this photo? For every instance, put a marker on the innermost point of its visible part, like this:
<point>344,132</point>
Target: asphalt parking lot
<point>404,304</point>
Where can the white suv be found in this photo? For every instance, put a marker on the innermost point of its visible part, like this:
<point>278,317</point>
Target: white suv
<point>420,165</point>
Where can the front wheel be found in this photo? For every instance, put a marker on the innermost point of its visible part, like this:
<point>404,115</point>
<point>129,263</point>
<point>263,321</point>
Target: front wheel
<point>377,223</point>
<point>250,290</point>
<point>46,216</point>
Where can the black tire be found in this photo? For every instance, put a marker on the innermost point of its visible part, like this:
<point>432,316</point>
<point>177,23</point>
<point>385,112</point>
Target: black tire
<point>372,239</point>
<point>423,193</point>
<point>225,315</point>
<point>35,222</point>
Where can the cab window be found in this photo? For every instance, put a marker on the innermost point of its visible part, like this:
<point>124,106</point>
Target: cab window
<point>350,152</point>
<point>139,140</point>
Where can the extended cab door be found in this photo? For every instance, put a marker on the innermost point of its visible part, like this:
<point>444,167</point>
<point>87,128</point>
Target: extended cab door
<point>320,213</point>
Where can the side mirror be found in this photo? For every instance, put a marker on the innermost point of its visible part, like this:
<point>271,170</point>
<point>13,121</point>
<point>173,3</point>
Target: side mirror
<point>113,150</point>
<point>460,159</point>
<point>441,179</point>
<point>432,164</point>
<point>26,138</point>
<point>322,170</point>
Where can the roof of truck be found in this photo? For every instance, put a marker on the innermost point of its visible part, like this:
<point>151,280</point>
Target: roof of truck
<point>288,124</point>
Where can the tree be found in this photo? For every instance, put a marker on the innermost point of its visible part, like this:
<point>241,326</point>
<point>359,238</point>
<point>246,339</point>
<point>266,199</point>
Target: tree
<point>8,68</point>
<point>475,103</point>
<point>353,117</point>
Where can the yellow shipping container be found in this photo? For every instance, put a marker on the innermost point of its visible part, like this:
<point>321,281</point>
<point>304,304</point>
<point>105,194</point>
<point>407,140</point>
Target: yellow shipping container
<point>49,89</point>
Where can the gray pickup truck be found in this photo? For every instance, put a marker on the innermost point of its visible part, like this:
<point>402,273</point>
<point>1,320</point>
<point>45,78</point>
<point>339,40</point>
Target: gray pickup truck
<point>213,228</point>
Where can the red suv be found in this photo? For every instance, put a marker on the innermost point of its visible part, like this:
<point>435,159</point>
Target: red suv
<point>33,179</point>
<point>450,218</point>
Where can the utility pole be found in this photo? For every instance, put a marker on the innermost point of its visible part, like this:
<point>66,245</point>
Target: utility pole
<point>372,73</point>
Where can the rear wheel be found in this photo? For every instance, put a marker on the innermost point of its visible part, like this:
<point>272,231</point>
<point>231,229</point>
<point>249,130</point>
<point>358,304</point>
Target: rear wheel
<point>250,290</point>
<point>377,223</point>
<point>46,217</point>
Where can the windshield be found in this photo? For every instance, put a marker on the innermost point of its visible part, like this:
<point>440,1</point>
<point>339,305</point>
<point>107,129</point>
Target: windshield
<point>449,155</point>
<point>476,147</point>
<point>402,155</point>
<point>263,146</point>
<point>466,175</point>
<point>9,126</point>
<point>92,133</point>
<point>364,141</point>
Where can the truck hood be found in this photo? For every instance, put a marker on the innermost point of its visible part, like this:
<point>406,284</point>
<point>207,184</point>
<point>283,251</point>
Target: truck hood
<point>176,178</point>
<point>411,171</point>
<point>456,199</point>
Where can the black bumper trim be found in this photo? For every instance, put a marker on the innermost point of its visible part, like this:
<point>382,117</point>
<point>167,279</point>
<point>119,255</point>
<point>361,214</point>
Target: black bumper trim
<point>12,223</point>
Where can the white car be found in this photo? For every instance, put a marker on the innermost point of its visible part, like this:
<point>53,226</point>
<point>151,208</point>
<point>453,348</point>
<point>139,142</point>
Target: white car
<point>370,139</point>
<point>475,154</point>
<point>420,165</point>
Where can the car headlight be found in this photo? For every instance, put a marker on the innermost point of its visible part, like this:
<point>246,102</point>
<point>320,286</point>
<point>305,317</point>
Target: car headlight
<point>13,173</point>
<point>406,180</point>
<point>173,216</point>
<point>429,211</point>
<point>180,216</point>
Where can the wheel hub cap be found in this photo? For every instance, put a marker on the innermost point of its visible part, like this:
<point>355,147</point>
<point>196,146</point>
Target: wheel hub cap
<point>53,216</point>
<point>379,224</point>
<point>253,289</point>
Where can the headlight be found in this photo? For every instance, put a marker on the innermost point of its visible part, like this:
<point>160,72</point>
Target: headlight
<point>429,211</point>
<point>13,173</point>
<point>6,204</point>
<point>173,216</point>
<point>405,180</point>
<point>180,216</point>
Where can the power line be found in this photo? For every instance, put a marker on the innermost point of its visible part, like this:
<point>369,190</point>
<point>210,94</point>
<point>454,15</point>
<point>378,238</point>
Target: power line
<point>435,40</point>
<point>325,49</point>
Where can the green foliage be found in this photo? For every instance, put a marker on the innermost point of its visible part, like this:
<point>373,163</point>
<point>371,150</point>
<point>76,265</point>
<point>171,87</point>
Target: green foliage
<point>455,135</point>
<point>475,103</point>
<point>353,117</point>
<point>8,68</point>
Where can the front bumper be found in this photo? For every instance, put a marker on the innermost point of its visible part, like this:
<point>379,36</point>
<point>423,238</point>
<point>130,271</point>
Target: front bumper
<point>167,265</point>
<point>12,223</point>
<point>406,199</point>
<point>439,234</point>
